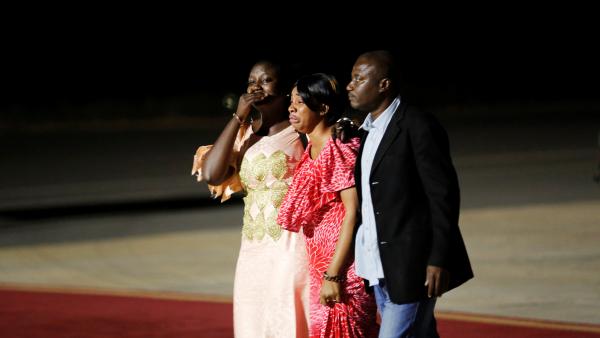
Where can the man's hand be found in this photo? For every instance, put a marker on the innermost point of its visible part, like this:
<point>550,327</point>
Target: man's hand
<point>344,129</point>
<point>436,281</point>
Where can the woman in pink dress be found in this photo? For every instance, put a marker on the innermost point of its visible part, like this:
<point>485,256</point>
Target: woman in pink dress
<point>270,296</point>
<point>322,201</point>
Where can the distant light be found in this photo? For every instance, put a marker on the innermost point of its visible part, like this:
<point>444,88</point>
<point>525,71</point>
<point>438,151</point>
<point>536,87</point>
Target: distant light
<point>230,101</point>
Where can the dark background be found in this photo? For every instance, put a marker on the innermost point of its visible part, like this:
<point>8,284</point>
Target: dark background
<point>138,74</point>
<point>104,114</point>
<point>98,129</point>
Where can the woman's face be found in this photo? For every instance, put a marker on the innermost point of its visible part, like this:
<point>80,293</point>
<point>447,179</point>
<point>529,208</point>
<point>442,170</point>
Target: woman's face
<point>301,117</point>
<point>263,77</point>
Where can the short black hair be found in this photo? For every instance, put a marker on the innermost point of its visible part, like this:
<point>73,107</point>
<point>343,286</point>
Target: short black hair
<point>387,66</point>
<point>320,89</point>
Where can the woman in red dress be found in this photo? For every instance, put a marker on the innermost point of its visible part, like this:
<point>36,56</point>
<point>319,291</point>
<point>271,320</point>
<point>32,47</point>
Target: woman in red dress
<point>322,201</point>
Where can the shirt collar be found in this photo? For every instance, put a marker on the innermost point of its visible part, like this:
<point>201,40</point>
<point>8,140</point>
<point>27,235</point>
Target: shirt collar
<point>368,124</point>
<point>382,119</point>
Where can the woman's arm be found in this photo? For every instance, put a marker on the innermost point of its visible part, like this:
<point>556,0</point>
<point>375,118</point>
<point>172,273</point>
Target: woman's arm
<point>331,290</point>
<point>216,167</point>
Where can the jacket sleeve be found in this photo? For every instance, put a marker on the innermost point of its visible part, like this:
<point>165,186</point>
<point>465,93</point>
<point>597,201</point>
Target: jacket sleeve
<point>439,180</point>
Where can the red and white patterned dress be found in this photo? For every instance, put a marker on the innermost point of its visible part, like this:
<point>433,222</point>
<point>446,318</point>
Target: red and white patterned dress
<point>313,203</point>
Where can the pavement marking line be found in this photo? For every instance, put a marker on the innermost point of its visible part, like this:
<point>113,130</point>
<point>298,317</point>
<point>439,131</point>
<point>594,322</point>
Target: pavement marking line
<point>523,322</point>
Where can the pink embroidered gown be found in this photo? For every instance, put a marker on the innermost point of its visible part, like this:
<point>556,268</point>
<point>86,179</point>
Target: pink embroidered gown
<point>313,202</point>
<point>271,283</point>
<point>271,286</point>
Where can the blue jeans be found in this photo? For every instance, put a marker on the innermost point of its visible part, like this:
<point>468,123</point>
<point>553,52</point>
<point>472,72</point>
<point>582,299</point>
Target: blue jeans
<point>413,320</point>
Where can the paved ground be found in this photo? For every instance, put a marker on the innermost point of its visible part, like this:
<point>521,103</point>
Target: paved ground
<point>118,211</point>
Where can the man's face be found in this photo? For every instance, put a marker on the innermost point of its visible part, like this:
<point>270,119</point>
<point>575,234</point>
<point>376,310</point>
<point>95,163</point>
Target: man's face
<point>364,90</point>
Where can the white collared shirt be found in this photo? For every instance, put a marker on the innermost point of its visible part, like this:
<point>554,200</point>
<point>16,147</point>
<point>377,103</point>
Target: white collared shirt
<point>367,259</point>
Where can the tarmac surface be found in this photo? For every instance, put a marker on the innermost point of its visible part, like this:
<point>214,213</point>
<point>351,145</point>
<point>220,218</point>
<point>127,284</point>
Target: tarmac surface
<point>118,211</point>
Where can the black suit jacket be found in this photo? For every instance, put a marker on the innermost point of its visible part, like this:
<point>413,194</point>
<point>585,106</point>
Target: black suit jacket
<point>416,200</point>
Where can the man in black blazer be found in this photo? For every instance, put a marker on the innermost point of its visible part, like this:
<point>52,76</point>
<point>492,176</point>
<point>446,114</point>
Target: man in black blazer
<point>408,244</point>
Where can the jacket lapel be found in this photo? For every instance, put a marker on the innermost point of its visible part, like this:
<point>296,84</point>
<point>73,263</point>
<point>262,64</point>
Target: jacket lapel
<point>392,131</point>
<point>357,168</point>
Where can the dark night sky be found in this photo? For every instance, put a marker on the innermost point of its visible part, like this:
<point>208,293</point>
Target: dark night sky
<point>449,67</point>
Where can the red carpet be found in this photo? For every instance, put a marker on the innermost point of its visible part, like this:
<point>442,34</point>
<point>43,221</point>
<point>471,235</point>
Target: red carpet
<point>45,314</point>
